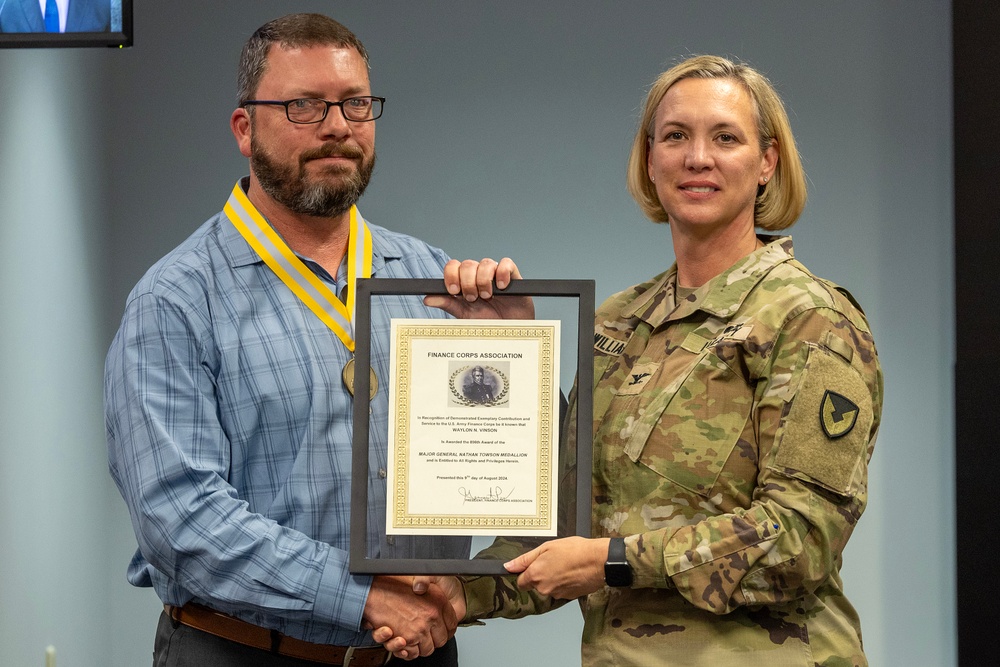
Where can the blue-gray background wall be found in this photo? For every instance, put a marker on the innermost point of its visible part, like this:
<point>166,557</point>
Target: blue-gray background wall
<point>506,132</point>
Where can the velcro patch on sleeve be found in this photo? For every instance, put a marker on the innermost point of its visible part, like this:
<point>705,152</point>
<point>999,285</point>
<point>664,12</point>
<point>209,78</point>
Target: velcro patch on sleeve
<point>824,438</point>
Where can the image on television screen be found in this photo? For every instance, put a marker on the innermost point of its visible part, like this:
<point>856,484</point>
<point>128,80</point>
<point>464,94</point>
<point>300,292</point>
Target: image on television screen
<point>65,23</point>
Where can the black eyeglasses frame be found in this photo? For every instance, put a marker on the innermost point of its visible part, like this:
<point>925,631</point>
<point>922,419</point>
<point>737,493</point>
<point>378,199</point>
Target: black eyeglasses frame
<point>285,103</point>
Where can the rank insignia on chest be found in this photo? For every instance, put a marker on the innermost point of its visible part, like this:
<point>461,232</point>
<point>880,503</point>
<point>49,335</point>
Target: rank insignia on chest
<point>637,379</point>
<point>837,414</point>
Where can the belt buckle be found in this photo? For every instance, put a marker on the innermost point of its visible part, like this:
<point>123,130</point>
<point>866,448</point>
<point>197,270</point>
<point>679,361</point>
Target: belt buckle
<point>349,655</point>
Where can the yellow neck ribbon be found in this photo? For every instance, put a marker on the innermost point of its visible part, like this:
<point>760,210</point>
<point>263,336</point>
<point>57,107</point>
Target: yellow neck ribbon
<point>319,298</point>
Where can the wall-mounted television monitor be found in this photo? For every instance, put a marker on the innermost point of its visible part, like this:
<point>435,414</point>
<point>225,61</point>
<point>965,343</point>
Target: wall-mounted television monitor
<point>65,23</point>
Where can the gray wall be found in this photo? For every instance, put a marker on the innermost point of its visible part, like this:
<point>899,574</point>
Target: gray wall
<point>505,133</point>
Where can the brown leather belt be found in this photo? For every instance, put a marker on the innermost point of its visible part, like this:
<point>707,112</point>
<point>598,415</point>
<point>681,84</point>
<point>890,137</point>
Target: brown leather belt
<point>248,634</point>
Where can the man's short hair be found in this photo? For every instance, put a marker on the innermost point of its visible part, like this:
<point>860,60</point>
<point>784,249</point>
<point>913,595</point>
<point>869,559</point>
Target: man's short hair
<point>292,31</point>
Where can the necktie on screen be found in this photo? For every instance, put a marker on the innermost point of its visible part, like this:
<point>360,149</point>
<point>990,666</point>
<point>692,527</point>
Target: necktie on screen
<point>51,16</point>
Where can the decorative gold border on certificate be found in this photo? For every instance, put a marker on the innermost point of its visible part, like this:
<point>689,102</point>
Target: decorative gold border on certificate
<point>545,336</point>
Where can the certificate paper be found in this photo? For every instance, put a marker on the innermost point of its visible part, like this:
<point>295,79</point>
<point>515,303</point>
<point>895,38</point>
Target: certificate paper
<point>474,427</point>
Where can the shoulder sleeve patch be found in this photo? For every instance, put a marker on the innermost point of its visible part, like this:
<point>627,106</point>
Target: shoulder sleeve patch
<point>824,438</point>
<point>837,414</point>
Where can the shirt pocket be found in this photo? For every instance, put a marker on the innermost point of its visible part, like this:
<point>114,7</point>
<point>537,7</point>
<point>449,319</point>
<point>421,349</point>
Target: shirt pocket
<point>690,428</point>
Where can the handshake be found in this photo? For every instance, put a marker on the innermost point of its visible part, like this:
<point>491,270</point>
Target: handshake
<point>412,616</point>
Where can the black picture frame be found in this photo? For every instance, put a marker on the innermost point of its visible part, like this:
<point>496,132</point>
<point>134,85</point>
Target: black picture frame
<point>359,563</point>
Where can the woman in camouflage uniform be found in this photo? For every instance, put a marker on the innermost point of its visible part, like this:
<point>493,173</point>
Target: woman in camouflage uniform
<point>736,402</point>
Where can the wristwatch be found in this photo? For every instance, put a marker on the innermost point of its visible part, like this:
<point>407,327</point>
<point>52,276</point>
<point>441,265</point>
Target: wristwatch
<point>617,572</point>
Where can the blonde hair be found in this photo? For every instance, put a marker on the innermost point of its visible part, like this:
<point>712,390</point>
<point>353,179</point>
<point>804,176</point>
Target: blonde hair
<point>781,201</point>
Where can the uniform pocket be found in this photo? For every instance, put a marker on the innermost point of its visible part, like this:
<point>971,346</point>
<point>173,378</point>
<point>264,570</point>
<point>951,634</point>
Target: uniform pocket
<point>688,434</point>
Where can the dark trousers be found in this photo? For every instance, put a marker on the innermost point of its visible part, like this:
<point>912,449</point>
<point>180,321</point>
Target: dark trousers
<point>183,646</point>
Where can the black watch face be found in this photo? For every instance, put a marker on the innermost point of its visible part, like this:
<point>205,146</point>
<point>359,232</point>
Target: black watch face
<point>617,574</point>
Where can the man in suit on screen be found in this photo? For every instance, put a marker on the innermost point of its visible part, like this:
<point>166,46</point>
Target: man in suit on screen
<point>55,15</point>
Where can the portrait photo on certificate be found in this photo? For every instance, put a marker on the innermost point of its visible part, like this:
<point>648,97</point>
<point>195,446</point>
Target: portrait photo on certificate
<point>474,428</point>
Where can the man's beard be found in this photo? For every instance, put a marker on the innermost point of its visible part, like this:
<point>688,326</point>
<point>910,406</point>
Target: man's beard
<point>321,198</point>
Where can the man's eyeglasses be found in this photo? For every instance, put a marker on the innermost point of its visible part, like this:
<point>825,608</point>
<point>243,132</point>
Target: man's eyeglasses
<point>314,110</point>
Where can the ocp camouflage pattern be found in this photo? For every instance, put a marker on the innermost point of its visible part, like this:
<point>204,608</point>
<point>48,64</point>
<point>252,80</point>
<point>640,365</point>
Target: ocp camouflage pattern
<point>732,434</point>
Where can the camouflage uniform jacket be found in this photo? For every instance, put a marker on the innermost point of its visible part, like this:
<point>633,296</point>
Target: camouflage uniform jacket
<point>732,434</point>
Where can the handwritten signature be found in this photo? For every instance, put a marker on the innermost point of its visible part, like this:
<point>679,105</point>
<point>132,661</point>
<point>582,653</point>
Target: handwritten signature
<point>494,494</point>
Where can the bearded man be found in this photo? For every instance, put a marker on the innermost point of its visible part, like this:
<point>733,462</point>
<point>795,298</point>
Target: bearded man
<point>229,386</point>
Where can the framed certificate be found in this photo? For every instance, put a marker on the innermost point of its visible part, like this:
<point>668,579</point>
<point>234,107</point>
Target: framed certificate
<point>474,427</point>
<point>474,454</point>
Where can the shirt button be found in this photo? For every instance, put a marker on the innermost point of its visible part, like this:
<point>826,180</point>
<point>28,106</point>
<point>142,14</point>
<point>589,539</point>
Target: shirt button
<point>382,473</point>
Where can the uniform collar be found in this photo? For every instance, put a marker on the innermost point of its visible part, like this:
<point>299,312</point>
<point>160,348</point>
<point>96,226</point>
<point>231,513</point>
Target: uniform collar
<point>721,296</point>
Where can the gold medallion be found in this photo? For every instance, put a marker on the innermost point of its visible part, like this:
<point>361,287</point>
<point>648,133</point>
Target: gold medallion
<point>349,379</point>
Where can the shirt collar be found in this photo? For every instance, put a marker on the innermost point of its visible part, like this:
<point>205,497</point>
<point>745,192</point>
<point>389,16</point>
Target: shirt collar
<point>721,296</point>
<point>241,254</point>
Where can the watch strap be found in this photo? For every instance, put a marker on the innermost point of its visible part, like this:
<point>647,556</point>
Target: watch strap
<point>617,572</point>
<point>616,550</point>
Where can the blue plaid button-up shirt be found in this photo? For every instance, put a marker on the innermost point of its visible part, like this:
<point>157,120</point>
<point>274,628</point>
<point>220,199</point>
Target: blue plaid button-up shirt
<point>230,435</point>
